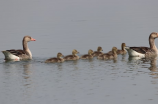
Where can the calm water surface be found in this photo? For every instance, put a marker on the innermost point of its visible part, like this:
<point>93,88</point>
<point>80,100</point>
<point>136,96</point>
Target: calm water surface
<point>61,26</point>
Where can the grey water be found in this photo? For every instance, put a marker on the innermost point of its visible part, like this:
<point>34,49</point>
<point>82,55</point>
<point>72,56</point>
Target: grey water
<point>64,25</point>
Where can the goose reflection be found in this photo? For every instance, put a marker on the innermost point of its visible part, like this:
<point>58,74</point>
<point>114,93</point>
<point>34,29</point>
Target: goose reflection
<point>151,60</point>
<point>59,66</point>
<point>24,66</point>
<point>27,69</point>
<point>153,66</point>
<point>124,57</point>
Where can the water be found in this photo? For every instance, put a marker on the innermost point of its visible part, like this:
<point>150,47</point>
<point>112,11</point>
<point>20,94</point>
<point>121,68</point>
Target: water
<point>61,26</point>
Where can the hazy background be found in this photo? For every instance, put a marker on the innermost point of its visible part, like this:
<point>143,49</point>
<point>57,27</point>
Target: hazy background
<point>64,25</point>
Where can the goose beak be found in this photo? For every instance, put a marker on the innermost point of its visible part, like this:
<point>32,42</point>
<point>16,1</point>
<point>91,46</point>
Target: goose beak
<point>32,39</point>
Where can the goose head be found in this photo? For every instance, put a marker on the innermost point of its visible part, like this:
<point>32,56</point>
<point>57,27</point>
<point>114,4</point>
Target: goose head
<point>28,39</point>
<point>153,35</point>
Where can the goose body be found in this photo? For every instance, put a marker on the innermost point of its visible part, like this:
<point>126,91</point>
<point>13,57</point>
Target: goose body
<point>144,51</point>
<point>98,52</point>
<point>18,55</point>
<point>73,56</point>
<point>88,56</point>
<point>57,59</point>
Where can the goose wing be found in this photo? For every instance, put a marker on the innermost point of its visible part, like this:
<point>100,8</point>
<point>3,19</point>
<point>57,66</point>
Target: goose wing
<point>142,50</point>
<point>17,52</point>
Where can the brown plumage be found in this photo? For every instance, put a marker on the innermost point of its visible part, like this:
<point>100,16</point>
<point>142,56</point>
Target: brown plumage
<point>98,52</point>
<point>73,56</point>
<point>145,51</point>
<point>19,54</point>
<point>57,59</point>
<point>110,52</point>
<point>88,56</point>
<point>122,51</point>
<point>109,55</point>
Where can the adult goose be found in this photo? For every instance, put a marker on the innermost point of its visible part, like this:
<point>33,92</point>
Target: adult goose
<point>144,51</point>
<point>18,55</point>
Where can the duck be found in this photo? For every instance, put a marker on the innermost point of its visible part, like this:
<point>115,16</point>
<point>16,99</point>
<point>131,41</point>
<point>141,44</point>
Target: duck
<point>122,51</point>
<point>18,55</point>
<point>57,59</point>
<point>73,56</point>
<point>87,56</point>
<point>144,51</point>
<point>108,55</point>
<point>98,52</point>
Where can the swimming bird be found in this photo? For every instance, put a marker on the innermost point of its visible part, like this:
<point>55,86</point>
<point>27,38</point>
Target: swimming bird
<point>122,51</point>
<point>73,56</point>
<point>98,52</point>
<point>111,52</point>
<point>18,55</point>
<point>87,56</point>
<point>57,59</point>
<point>144,51</point>
<point>109,55</point>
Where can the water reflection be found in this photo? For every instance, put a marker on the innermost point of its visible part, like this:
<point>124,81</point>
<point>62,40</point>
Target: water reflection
<point>91,62</point>
<point>27,70</point>
<point>59,65</point>
<point>21,68</point>
<point>124,57</point>
<point>133,59</point>
<point>19,74</point>
<point>70,63</point>
<point>141,63</point>
<point>153,66</point>
<point>115,60</point>
<point>134,62</point>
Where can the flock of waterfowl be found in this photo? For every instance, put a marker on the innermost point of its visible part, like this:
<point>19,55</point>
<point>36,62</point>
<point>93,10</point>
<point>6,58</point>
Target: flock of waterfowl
<point>142,52</point>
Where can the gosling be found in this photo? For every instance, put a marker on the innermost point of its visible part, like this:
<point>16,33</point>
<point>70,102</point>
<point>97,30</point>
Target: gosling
<point>57,59</point>
<point>87,56</point>
<point>73,56</point>
<point>98,52</point>
<point>109,55</point>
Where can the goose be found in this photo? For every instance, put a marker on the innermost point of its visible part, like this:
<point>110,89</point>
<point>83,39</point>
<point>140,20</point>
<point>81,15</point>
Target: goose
<point>98,52</point>
<point>73,56</point>
<point>109,55</point>
<point>57,59</point>
<point>87,56</point>
<point>144,51</point>
<point>18,55</point>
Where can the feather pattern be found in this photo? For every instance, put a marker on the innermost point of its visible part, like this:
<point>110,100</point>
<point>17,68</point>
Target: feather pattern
<point>19,54</point>
<point>144,51</point>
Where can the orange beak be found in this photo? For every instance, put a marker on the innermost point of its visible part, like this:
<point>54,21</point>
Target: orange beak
<point>32,39</point>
